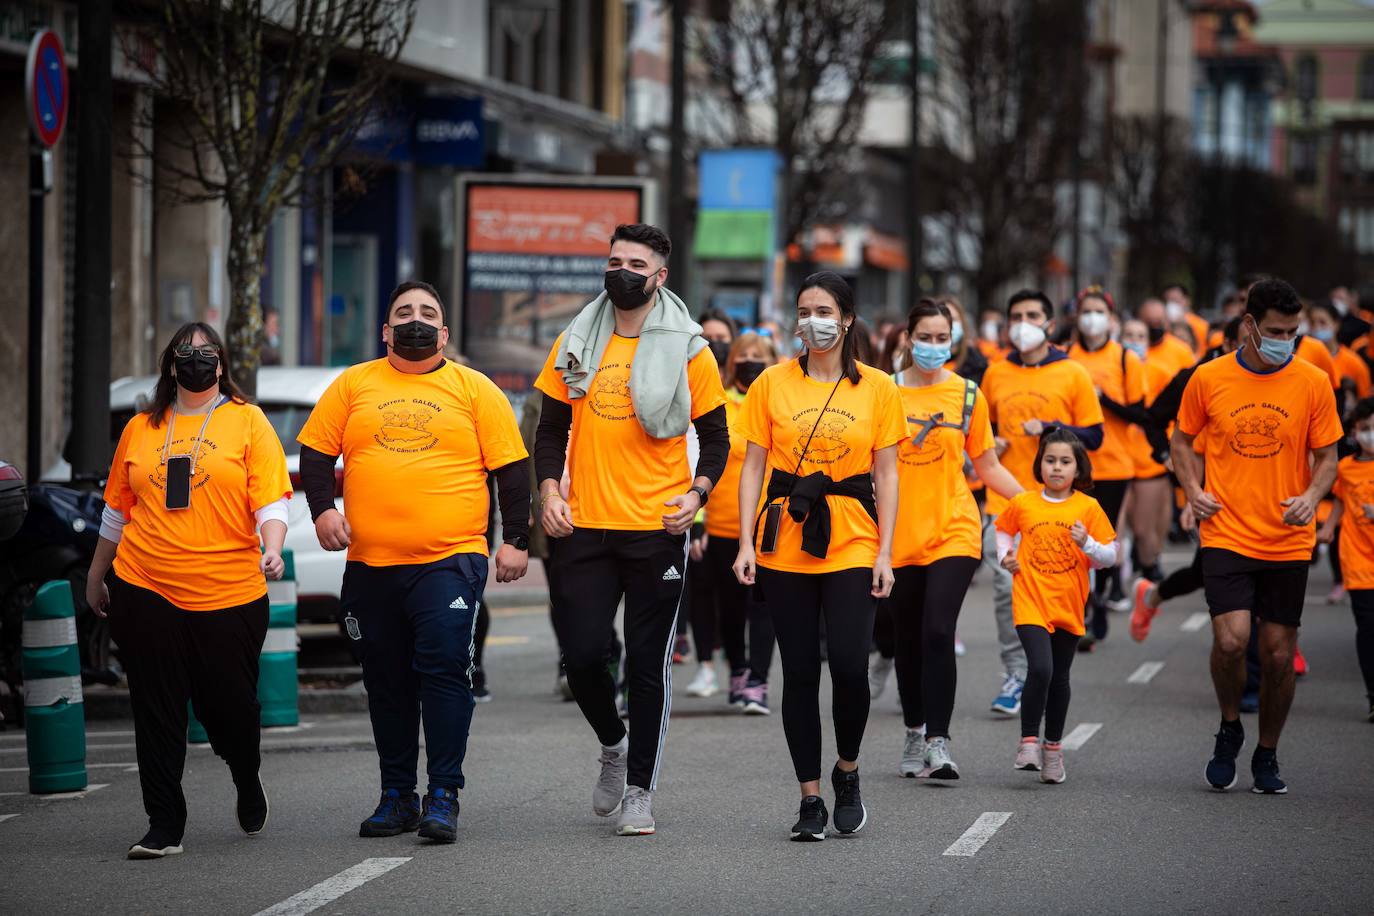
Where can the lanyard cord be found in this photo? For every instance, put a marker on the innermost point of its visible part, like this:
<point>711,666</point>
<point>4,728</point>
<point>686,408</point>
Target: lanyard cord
<point>200,436</point>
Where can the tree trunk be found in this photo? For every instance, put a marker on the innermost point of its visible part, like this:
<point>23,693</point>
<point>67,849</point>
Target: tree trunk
<point>243,329</point>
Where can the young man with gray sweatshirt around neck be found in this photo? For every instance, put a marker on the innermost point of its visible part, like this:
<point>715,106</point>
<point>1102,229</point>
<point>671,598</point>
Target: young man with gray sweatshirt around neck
<point>627,376</point>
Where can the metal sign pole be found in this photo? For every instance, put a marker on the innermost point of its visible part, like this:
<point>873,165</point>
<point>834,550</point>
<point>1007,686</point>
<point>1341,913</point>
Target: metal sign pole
<point>37,191</point>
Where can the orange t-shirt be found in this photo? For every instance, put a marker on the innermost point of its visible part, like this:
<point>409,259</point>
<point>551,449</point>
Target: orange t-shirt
<point>1122,380</point>
<point>779,413</point>
<point>1051,587</point>
<point>1200,329</point>
<point>205,557</point>
<point>1059,391</point>
<point>937,516</point>
<point>416,453</point>
<point>620,476</point>
<point>1216,338</point>
<point>722,512</point>
<point>1172,354</point>
<point>991,351</point>
<point>1355,489</point>
<point>1315,352</point>
<point>1259,429</point>
<point>1157,378</point>
<point>1349,365</point>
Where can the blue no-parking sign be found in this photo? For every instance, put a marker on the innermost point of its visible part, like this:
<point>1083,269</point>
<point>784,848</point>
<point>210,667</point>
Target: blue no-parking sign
<point>45,87</point>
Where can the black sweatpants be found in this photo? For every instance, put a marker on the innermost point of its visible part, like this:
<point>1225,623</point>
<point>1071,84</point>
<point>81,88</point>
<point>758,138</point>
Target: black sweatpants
<point>1362,605</point>
<point>1048,657</point>
<point>171,656</point>
<point>723,609</point>
<point>798,602</point>
<point>1110,494</point>
<point>924,608</point>
<point>595,568</point>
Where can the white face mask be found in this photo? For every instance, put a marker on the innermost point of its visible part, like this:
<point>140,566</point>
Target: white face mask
<point>1093,324</point>
<point>819,334</point>
<point>1175,311</point>
<point>1366,439</point>
<point>1026,336</point>
<point>992,331</point>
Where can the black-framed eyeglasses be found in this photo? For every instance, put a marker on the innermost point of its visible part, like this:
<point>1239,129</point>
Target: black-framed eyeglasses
<point>183,351</point>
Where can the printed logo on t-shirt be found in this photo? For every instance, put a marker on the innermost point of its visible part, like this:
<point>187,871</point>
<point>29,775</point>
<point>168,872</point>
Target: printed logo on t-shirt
<point>182,446</point>
<point>1049,549</point>
<point>1361,495</point>
<point>404,426</point>
<point>672,574</point>
<point>610,397</point>
<point>1256,428</point>
<point>930,450</point>
<point>828,444</point>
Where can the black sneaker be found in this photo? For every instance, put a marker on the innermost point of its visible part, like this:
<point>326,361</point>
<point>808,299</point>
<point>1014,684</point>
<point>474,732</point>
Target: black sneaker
<point>155,846</point>
<point>480,693</point>
<point>810,825</point>
<point>1264,766</point>
<point>440,820</point>
<point>850,813</point>
<point>395,814</point>
<point>1221,769</point>
<point>252,807</point>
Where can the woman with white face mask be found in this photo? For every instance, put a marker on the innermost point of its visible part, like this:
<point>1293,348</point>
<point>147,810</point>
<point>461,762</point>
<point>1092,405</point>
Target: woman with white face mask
<point>826,427</point>
<point>1119,377</point>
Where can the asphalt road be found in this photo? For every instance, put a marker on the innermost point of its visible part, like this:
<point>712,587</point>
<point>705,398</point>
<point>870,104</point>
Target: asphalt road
<point>1134,830</point>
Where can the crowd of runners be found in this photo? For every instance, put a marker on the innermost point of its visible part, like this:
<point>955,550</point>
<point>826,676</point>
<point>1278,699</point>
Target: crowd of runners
<point>828,494</point>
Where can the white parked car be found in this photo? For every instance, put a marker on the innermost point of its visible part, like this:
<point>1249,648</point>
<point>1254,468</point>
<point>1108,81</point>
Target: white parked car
<point>286,395</point>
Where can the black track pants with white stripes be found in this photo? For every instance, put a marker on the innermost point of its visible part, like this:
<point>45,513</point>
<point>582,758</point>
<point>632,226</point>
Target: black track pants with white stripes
<point>594,569</point>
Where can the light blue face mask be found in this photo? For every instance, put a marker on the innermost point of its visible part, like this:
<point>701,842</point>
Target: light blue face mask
<point>1275,352</point>
<point>929,356</point>
<point>1325,335</point>
<point>956,334</point>
<point>1137,348</point>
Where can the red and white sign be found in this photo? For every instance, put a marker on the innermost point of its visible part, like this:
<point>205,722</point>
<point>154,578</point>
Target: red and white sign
<point>46,87</point>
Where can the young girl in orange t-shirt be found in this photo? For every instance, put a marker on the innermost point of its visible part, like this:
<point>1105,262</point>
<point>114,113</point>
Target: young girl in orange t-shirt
<point>1063,534</point>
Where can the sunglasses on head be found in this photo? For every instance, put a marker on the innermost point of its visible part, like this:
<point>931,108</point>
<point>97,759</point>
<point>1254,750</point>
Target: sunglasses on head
<point>762,332</point>
<point>184,351</point>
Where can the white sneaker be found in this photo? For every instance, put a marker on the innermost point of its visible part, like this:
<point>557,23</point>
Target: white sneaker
<point>914,752</point>
<point>939,765</point>
<point>960,650</point>
<point>878,670</point>
<point>704,684</point>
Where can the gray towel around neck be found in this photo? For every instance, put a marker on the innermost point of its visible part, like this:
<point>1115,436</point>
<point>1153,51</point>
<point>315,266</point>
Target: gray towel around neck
<point>658,375</point>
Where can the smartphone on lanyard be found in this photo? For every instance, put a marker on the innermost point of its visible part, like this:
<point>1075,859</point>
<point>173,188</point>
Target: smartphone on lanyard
<point>178,482</point>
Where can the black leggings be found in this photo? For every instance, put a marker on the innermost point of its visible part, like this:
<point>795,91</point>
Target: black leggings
<point>1048,657</point>
<point>718,598</point>
<point>1110,494</point>
<point>1362,604</point>
<point>797,602</point>
<point>1183,581</point>
<point>924,608</point>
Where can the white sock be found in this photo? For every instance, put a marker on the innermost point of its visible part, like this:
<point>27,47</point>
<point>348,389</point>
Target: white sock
<point>621,747</point>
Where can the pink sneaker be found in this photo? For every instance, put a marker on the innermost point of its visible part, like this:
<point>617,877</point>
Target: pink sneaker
<point>1053,768</point>
<point>755,698</point>
<point>738,680</point>
<point>1028,754</point>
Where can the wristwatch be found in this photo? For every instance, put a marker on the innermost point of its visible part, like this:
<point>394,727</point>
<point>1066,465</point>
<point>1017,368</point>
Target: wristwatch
<point>700,492</point>
<point>519,542</point>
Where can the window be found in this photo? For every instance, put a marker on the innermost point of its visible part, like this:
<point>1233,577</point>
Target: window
<point>1366,86</point>
<point>1302,160</point>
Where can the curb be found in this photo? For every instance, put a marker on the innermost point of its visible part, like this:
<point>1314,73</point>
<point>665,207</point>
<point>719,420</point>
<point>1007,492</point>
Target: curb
<point>113,702</point>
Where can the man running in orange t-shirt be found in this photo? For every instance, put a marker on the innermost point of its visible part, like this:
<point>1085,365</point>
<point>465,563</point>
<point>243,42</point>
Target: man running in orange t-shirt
<point>1271,429</point>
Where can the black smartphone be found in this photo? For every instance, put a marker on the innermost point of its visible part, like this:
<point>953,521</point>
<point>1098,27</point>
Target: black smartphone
<point>772,518</point>
<point>179,482</point>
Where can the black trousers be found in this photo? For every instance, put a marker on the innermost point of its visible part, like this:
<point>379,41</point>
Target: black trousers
<point>1362,605</point>
<point>1048,658</point>
<point>171,656</point>
<point>1183,581</point>
<point>595,569</point>
<point>723,611</point>
<point>1110,494</point>
<point>924,608</point>
<point>798,602</point>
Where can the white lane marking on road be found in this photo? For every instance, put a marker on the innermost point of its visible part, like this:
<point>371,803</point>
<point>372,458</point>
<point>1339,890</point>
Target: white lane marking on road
<point>14,793</point>
<point>132,769</point>
<point>5,817</point>
<point>330,889</point>
<point>89,766</point>
<point>507,640</point>
<point>982,830</point>
<point>1145,672</point>
<point>90,736</point>
<point>1195,622</point>
<point>63,796</point>
<point>1080,735</point>
<point>89,748</point>
<point>286,729</point>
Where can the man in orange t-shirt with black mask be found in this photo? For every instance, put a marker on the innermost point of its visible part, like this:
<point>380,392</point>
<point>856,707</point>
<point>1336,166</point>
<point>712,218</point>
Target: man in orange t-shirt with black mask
<point>1270,427</point>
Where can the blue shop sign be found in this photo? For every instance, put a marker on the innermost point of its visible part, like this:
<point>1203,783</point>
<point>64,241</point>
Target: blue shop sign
<point>449,131</point>
<point>737,179</point>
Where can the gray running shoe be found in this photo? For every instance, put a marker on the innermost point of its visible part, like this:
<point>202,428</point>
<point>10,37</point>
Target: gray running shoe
<point>1052,767</point>
<point>610,785</point>
<point>914,753</point>
<point>637,812</point>
<point>1028,755</point>
<point>938,762</point>
<point>879,669</point>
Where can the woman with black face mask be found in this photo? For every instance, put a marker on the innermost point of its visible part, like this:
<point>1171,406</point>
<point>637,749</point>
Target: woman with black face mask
<point>718,599</point>
<point>195,517</point>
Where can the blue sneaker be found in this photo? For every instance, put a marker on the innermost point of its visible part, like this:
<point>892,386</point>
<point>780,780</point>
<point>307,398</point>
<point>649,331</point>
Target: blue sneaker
<point>1221,769</point>
<point>396,814</point>
<point>440,821</point>
<point>1008,702</point>
<point>1264,766</point>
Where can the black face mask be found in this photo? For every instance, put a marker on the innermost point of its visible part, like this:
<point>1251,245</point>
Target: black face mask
<point>196,373</point>
<point>747,370</point>
<point>414,340</point>
<point>627,289</point>
<point>1156,335</point>
<point>720,350</point>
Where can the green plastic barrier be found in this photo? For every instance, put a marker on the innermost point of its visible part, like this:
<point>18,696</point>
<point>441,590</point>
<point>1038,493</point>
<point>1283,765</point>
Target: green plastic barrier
<point>54,715</point>
<point>278,687</point>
